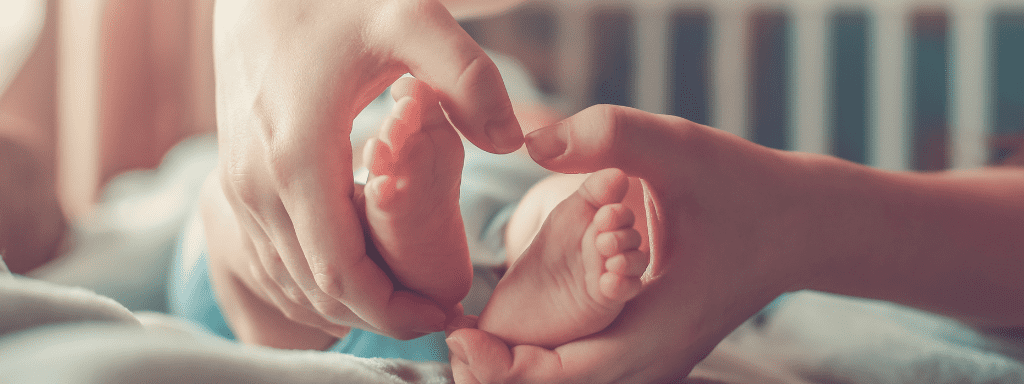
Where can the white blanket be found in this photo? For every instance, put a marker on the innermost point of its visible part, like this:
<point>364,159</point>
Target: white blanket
<point>56,334</point>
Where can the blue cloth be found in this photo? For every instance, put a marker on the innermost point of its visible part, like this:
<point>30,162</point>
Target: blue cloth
<point>191,297</point>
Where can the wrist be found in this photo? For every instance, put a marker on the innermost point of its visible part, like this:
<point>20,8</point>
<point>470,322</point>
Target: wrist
<point>846,226</point>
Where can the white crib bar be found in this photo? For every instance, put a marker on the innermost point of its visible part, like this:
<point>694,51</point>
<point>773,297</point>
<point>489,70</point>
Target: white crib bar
<point>651,58</point>
<point>808,97</point>
<point>889,134</point>
<point>730,69</point>
<point>972,70</point>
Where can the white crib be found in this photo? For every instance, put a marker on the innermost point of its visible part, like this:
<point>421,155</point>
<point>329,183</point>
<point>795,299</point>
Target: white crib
<point>888,134</point>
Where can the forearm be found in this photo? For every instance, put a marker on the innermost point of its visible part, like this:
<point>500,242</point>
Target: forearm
<point>950,242</point>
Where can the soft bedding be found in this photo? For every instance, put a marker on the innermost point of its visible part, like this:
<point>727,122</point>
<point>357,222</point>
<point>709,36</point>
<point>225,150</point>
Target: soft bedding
<point>53,332</point>
<point>57,334</point>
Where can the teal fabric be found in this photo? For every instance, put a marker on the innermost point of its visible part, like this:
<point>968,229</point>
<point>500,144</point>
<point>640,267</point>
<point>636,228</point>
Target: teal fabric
<point>368,344</point>
<point>191,297</point>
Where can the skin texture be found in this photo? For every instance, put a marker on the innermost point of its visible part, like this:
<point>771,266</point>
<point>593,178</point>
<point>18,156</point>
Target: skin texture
<point>412,196</point>
<point>576,274</point>
<point>734,224</point>
<point>286,98</point>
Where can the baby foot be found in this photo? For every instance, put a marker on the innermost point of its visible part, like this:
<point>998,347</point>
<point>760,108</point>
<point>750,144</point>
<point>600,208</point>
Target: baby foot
<point>577,274</point>
<point>412,196</point>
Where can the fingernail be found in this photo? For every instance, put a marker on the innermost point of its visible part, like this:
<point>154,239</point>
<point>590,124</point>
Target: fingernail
<point>456,350</point>
<point>547,143</point>
<point>505,134</point>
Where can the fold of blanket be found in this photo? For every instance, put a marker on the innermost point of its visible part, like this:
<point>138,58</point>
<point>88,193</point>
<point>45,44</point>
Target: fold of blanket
<point>56,334</point>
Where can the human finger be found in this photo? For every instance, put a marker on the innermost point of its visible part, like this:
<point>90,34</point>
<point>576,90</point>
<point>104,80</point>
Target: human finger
<point>331,238</point>
<point>291,302</point>
<point>642,144</point>
<point>279,274</point>
<point>486,359</point>
<point>232,268</point>
<point>255,320</point>
<point>435,49</point>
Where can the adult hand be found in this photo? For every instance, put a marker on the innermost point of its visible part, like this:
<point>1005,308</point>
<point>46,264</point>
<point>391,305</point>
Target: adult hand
<point>290,78</point>
<point>720,211</point>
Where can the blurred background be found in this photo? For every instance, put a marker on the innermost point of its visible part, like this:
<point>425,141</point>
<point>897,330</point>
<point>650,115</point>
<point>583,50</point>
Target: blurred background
<point>898,84</point>
<point>614,33</point>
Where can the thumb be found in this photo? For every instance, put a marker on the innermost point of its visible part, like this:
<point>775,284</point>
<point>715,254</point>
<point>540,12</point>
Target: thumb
<point>435,49</point>
<point>479,356</point>
<point>650,146</point>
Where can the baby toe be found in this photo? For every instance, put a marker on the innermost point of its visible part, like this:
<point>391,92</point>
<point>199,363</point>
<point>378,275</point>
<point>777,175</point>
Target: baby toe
<point>405,120</point>
<point>619,288</point>
<point>615,242</point>
<point>613,216</point>
<point>604,187</point>
<point>383,192</point>
<point>630,263</point>
<point>378,158</point>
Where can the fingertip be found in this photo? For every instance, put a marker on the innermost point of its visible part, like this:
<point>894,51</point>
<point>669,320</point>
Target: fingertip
<point>505,133</point>
<point>457,350</point>
<point>485,357</point>
<point>476,102</point>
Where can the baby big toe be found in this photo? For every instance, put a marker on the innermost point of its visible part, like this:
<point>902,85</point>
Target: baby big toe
<point>619,288</point>
<point>612,217</point>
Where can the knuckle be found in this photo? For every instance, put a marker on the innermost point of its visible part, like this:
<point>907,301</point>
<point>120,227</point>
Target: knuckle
<point>331,309</point>
<point>605,116</point>
<point>397,15</point>
<point>291,291</point>
<point>284,170</point>
<point>605,123</point>
<point>411,9</point>
<point>330,283</point>
<point>260,276</point>
<point>473,67</point>
<point>295,314</point>
<point>246,190</point>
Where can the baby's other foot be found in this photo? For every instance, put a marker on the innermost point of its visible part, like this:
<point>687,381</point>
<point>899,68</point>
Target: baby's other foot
<point>412,196</point>
<point>577,274</point>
